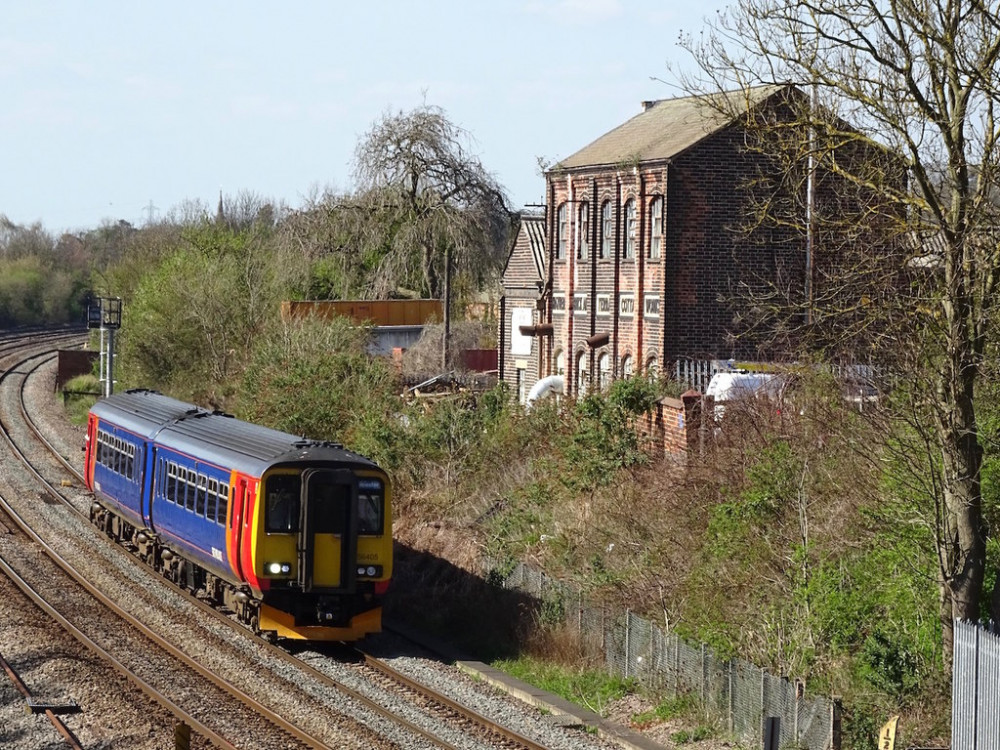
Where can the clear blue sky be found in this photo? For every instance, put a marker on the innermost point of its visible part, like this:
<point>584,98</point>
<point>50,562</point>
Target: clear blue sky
<point>108,106</point>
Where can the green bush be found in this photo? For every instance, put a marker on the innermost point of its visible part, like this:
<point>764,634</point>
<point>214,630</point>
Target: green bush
<point>316,379</point>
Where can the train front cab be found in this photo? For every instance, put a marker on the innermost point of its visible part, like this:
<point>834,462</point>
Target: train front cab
<point>323,552</point>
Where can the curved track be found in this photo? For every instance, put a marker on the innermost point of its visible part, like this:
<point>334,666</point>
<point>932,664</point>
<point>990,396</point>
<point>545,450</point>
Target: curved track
<point>52,595</point>
<point>435,718</point>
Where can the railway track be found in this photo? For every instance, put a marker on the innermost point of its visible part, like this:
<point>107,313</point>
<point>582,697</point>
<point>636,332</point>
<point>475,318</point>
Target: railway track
<point>219,710</point>
<point>420,715</point>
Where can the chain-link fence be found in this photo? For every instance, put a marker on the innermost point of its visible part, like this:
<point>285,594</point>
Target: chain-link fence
<point>740,694</point>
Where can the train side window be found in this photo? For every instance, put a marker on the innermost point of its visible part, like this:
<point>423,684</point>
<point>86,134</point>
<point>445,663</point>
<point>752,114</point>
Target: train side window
<point>200,502</point>
<point>211,499</point>
<point>282,504</point>
<point>172,482</point>
<point>130,462</point>
<point>223,504</point>
<point>191,486</point>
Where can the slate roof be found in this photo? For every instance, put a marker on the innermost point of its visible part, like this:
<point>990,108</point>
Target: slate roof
<point>534,228</point>
<point>665,128</point>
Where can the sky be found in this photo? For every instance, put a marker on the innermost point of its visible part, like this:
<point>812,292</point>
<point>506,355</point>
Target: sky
<point>126,110</point>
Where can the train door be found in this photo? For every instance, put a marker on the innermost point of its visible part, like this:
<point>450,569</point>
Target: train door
<point>90,455</point>
<point>240,499</point>
<point>143,485</point>
<point>328,542</point>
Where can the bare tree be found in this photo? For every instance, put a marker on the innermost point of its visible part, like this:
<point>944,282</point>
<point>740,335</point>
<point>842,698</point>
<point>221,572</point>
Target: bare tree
<point>428,198</point>
<point>918,79</point>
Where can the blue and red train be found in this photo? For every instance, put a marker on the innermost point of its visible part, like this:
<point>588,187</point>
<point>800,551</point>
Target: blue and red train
<point>292,535</point>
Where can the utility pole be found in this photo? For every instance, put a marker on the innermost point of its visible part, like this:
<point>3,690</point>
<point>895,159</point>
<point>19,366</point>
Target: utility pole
<point>447,309</point>
<point>150,211</point>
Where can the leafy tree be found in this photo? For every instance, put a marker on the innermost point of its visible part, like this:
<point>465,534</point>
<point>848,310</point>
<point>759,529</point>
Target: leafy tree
<point>18,241</point>
<point>41,280</point>
<point>332,234</point>
<point>426,199</point>
<point>315,378</point>
<point>919,81</point>
<point>192,319</point>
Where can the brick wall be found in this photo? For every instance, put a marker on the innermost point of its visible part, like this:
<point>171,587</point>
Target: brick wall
<point>602,292</point>
<point>73,362</point>
<point>673,424</point>
<point>692,288</point>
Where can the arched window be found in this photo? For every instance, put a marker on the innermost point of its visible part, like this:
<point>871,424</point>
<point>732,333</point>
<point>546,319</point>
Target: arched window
<point>604,369</point>
<point>581,374</point>
<point>628,249</point>
<point>607,229</point>
<point>656,228</point>
<point>563,225</point>
<point>627,366</point>
<point>652,367</point>
<point>582,228</point>
<point>560,360</point>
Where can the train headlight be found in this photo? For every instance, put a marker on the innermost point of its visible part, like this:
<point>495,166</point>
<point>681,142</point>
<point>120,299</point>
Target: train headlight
<point>277,568</point>
<point>370,571</point>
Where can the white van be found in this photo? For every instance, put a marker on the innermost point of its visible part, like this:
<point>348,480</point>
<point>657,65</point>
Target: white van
<point>738,384</point>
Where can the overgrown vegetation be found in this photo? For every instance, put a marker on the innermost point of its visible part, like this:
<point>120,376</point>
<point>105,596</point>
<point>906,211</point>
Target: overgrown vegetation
<point>587,686</point>
<point>795,541</point>
<point>79,394</point>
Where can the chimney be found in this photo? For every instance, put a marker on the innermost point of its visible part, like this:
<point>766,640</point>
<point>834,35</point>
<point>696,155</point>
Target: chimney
<point>648,105</point>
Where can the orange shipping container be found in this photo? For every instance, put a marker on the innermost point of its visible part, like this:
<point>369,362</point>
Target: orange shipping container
<point>394,312</point>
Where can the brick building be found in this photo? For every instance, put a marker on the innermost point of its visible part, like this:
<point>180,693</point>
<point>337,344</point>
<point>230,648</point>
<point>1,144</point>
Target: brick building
<point>523,307</point>
<point>635,259</point>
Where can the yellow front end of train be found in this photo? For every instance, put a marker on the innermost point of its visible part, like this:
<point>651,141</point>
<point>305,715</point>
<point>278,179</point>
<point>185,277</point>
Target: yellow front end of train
<point>322,541</point>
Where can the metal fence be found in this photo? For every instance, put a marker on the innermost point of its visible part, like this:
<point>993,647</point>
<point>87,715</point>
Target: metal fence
<point>739,694</point>
<point>859,379</point>
<point>975,688</point>
<point>697,373</point>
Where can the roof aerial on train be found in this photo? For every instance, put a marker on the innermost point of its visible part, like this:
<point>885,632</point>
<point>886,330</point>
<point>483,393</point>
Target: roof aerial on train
<point>214,436</point>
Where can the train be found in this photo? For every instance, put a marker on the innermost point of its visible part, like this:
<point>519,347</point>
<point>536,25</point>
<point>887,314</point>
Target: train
<point>293,536</point>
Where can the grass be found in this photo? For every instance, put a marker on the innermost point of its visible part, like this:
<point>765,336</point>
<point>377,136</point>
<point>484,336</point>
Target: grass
<point>77,406</point>
<point>684,705</point>
<point>585,686</point>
